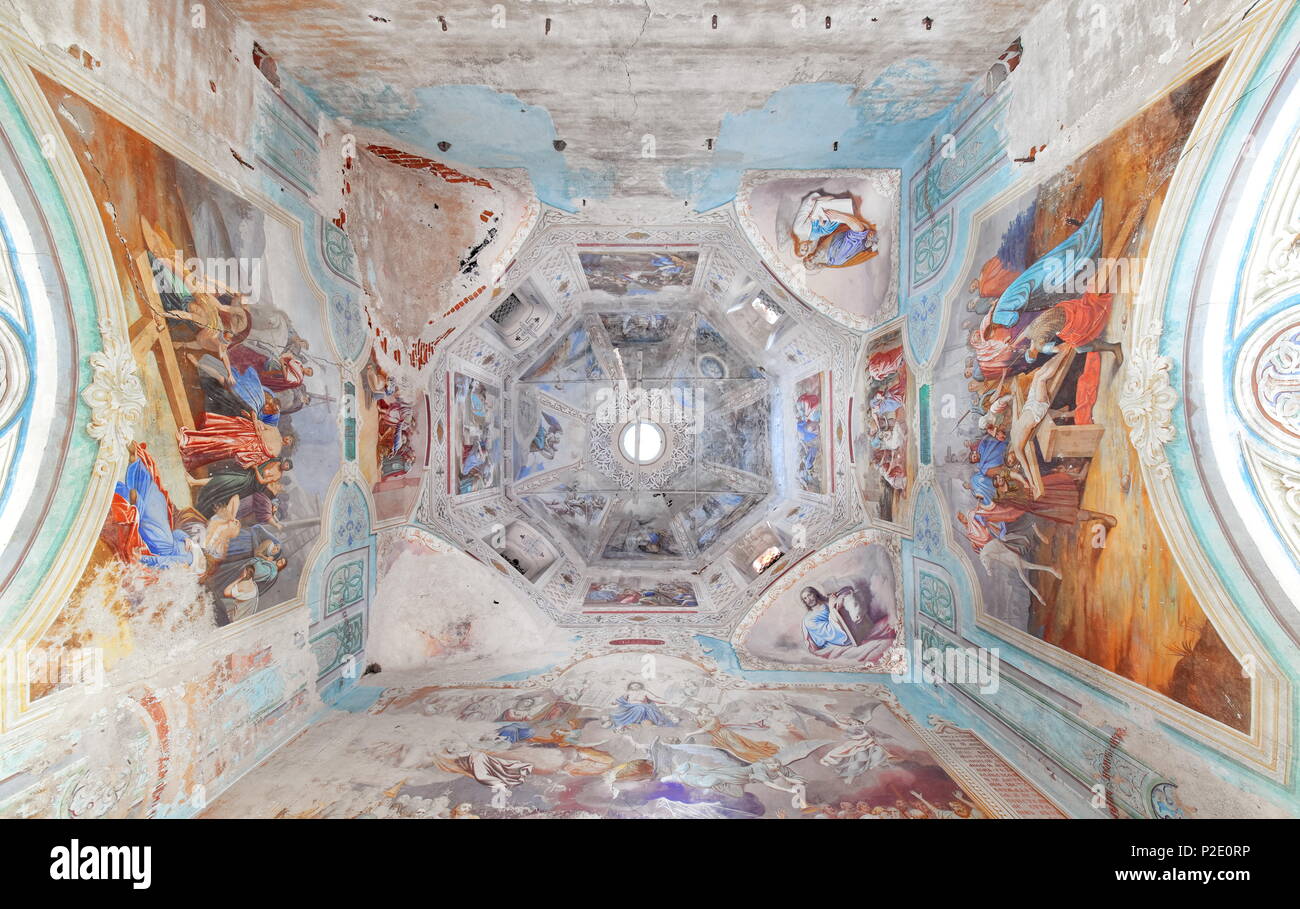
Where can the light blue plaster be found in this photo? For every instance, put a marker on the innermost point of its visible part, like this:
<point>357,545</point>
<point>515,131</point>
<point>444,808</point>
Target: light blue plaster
<point>796,129</point>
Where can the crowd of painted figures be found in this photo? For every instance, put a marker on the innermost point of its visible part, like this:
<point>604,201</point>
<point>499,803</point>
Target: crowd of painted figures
<point>690,753</point>
<point>250,369</point>
<point>1028,337</point>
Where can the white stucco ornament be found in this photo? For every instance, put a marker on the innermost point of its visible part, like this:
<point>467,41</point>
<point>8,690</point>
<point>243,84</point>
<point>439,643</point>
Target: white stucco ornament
<point>1276,382</point>
<point>115,396</point>
<point>1148,401</point>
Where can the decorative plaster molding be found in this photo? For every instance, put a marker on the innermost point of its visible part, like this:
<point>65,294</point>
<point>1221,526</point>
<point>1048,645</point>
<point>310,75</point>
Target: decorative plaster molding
<point>1147,401</point>
<point>115,396</point>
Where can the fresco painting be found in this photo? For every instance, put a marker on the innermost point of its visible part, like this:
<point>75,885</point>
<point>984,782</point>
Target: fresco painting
<point>476,455</point>
<point>651,340</point>
<point>1047,492</point>
<point>832,234</point>
<point>547,437</point>
<point>730,469</point>
<point>638,273</point>
<point>711,516</point>
<point>628,329</point>
<point>642,539</point>
<point>578,512</point>
<point>842,610</point>
<point>228,471</point>
<point>740,439</point>
<point>602,743</point>
<point>395,427</point>
<point>810,446</point>
<point>631,594</point>
<point>542,445</point>
<point>570,358</point>
<point>884,445</point>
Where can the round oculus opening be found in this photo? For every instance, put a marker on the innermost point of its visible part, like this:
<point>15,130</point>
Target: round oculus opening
<point>642,442</point>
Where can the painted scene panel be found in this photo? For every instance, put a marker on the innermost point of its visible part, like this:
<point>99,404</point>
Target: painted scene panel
<point>601,741</point>
<point>639,273</point>
<point>476,448</point>
<point>570,358</point>
<point>884,447</point>
<point>395,424</point>
<point>810,446</point>
<point>230,466</point>
<point>840,611</point>
<point>547,436</point>
<point>1047,491</point>
<point>637,594</point>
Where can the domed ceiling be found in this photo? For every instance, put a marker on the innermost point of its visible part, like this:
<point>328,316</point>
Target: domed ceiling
<point>647,428</point>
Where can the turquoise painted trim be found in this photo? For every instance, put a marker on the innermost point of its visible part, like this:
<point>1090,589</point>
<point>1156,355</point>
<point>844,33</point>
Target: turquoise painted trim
<point>69,497</point>
<point>1191,495</point>
<point>352,698</point>
<point>964,207</point>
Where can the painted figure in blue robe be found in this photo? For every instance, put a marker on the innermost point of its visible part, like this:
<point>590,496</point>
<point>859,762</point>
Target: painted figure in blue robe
<point>257,539</point>
<point>808,417</point>
<point>233,392</point>
<point>886,401</point>
<point>667,265</point>
<point>638,706</point>
<point>601,594</point>
<point>989,455</point>
<point>477,467</point>
<point>545,443</point>
<point>983,489</point>
<point>167,546</point>
<point>514,733</point>
<point>823,626</point>
<point>844,246</point>
<point>1053,271</point>
<point>809,429</point>
<point>249,388</point>
<point>476,401</point>
<point>829,233</point>
<point>547,436</point>
<point>655,542</point>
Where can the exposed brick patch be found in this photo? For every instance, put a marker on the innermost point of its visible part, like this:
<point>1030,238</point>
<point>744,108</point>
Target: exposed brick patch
<point>419,162</point>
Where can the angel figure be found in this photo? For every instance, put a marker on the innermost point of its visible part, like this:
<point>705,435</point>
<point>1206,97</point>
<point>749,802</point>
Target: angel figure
<point>860,750</point>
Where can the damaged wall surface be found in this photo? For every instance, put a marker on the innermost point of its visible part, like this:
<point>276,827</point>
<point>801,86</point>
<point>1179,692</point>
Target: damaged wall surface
<point>836,413</point>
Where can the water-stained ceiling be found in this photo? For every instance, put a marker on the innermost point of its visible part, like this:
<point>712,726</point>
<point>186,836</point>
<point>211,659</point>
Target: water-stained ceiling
<point>667,100</point>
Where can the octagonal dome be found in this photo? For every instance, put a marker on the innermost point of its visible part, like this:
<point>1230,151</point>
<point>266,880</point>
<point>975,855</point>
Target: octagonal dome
<point>647,428</point>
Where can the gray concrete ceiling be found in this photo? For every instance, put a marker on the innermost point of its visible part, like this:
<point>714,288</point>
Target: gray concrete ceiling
<point>609,74</point>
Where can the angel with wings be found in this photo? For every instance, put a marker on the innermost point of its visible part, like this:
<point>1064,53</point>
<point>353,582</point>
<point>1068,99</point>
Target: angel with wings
<point>718,770</point>
<point>547,441</point>
<point>860,750</point>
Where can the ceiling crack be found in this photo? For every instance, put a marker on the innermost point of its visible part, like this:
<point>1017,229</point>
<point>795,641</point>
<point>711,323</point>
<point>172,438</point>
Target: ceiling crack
<point>649,11</point>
